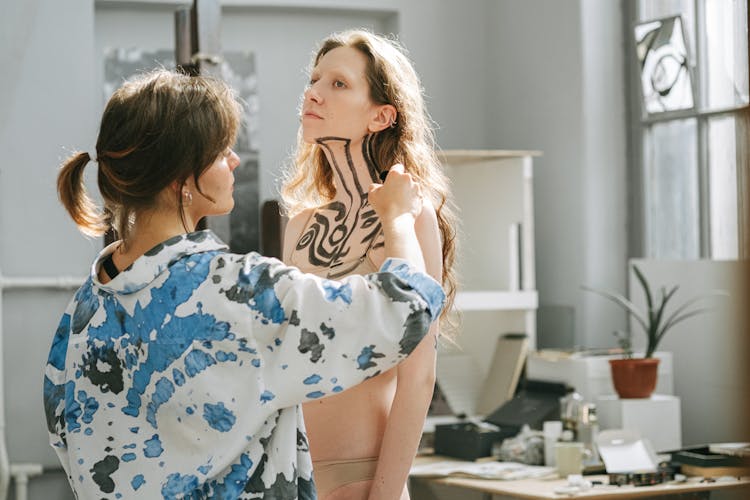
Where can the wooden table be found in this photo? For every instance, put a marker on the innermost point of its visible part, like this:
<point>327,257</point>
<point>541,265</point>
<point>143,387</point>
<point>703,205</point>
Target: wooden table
<point>544,489</point>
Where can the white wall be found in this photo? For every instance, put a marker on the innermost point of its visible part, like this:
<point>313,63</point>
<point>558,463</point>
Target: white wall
<point>46,110</point>
<point>497,74</point>
<point>556,84</point>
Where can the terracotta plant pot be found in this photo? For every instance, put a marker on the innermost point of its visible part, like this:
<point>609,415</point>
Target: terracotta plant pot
<point>634,378</point>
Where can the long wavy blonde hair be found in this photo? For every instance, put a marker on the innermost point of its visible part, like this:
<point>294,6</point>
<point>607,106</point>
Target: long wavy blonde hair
<point>308,181</point>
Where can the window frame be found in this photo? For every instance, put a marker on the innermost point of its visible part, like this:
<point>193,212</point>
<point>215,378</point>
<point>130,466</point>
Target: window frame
<point>641,123</point>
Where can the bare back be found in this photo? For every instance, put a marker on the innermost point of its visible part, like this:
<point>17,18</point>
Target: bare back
<point>310,244</point>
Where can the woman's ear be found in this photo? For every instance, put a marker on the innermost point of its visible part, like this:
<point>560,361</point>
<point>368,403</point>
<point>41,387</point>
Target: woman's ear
<point>384,117</point>
<point>170,194</point>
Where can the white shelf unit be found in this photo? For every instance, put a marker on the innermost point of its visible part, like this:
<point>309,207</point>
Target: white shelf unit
<point>493,191</point>
<point>496,301</point>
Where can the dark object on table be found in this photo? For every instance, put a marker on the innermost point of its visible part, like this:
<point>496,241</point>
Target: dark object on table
<point>468,440</point>
<point>662,475</point>
<point>701,461</point>
<point>703,457</point>
<point>536,402</point>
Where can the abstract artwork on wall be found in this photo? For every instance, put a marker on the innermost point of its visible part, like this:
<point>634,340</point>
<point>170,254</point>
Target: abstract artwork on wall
<point>664,63</point>
<point>122,63</point>
<point>241,228</point>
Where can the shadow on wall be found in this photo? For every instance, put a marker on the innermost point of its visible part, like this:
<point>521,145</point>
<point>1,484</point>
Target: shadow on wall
<point>555,327</point>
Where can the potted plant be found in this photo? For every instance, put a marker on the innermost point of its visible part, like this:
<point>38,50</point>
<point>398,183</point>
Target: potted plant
<point>636,377</point>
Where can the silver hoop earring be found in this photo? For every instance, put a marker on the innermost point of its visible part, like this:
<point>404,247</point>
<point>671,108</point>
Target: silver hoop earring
<point>393,123</point>
<point>187,198</point>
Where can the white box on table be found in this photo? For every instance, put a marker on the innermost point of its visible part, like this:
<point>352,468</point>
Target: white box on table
<point>656,418</point>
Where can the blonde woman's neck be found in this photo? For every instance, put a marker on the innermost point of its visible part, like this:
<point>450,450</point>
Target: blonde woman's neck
<point>352,171</point>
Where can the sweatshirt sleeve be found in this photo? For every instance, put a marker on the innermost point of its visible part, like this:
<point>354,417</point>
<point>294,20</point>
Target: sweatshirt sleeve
<point>325,336</point>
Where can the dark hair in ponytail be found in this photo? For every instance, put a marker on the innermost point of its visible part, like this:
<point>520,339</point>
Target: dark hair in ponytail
<point>72,191</point>
<point>158,128</point>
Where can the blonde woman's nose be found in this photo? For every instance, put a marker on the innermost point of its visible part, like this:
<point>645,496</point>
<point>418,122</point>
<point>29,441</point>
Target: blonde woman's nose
<point>313,94</point>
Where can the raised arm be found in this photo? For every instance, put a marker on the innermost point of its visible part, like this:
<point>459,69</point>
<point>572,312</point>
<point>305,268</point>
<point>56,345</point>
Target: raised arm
<point>398,209</point>
<point>415,383</point>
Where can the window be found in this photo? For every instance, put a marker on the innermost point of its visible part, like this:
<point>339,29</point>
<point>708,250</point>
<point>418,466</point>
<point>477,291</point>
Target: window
<point>691,185</point>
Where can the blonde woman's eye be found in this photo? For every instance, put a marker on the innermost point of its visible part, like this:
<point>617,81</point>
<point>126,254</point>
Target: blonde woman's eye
<point>339,84</point>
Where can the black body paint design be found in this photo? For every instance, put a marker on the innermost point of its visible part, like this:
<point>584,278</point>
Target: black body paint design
<point>327,239</point>
<point>369,159</point>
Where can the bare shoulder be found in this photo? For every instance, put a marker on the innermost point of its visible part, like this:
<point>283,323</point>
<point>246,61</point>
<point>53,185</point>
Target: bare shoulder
<point>296,223</point>
<point>294,227</point>
<point>426,224</point>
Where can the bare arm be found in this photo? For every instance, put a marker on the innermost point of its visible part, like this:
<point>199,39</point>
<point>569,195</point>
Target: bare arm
<point>415,383</point>
<point>397,205</point>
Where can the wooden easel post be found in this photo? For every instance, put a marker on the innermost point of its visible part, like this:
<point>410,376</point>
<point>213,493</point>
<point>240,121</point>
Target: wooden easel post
<point>197,52</point>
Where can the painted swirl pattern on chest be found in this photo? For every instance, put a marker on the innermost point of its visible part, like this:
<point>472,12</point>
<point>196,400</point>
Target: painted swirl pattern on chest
<point>327,240</point>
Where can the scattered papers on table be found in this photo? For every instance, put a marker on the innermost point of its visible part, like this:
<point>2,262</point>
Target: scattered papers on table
<point>482,470</point>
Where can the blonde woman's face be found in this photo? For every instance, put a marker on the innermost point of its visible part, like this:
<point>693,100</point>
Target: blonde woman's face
<point>337,100</point>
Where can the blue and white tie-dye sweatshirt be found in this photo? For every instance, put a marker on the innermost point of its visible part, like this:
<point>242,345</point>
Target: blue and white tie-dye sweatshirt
<point>182,377</point>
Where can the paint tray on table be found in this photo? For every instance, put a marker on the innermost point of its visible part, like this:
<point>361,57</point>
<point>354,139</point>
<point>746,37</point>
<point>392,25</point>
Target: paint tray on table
<point>712,461</point>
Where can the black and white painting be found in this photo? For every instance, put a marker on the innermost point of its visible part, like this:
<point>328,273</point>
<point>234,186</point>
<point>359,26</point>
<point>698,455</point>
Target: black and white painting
<point>663,59</point>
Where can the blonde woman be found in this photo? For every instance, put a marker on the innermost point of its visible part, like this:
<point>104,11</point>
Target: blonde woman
<point>363,112</point>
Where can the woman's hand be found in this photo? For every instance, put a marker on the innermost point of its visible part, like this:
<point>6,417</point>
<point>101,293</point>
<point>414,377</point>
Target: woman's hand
<point>398,195</point>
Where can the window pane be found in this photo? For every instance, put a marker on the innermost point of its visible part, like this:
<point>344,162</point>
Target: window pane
<point>722,168</point>
<point>726,59</point>
<point>657,9</point>
<point>672,201</point>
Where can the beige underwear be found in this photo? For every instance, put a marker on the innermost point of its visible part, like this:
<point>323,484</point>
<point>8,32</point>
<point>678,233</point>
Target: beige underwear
<point>332,474</point>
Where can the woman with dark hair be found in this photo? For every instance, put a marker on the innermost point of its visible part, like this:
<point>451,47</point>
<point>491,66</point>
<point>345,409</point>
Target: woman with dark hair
<point>178,368</point>
<point>362,112</point>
